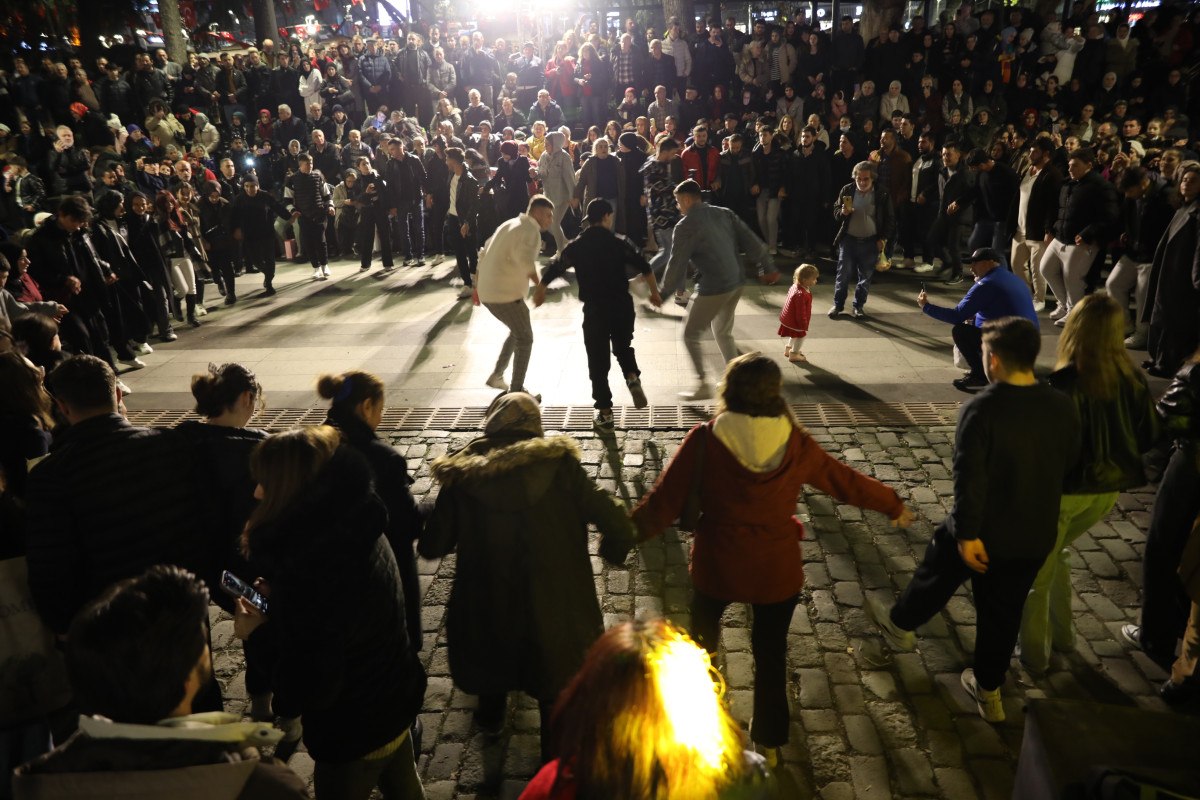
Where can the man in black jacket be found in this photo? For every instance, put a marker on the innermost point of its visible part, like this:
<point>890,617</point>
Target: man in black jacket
<point>1033,214</point>
<point>603,261</point>
<point>923,205</point>
<point>407,190</point>
<point>216,230</point>
<point>1001,528</point>
<point>369,196</point>
<point>808,191</point>
<point>437,176</point>
<point>253,213</point>
<point>1145,214</point>
<point>310,204</point>
<point>996,190</point>
<point>287,128</point>
<point>945,237</point>
<point>462,219</point>
<point>1087,206</point>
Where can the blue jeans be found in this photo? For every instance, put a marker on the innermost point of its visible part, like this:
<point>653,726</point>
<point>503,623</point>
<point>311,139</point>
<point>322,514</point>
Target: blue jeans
<point>988,233</point>
<point>658,263</point>
<point>856,262</point>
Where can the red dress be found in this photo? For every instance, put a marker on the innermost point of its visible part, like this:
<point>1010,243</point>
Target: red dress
<point>747,544</point>
<point>796,313</point>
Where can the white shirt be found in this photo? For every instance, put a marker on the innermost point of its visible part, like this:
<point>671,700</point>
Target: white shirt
<point>453,195</point>
<point>508,259</point>
<point>1023,208</point>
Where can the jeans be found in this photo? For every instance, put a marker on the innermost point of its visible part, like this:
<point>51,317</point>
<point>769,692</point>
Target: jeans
<point>715,312</point>
<point>395,775</point>
<point>989,233</point>
<point>999,596</point>
<point>856,263</point>
<point>518,345</point>
<point>1065,268</point>
<point>768,642</point>
<point>1026,260</point>
<point>1165,605</point>
<point>945,242</point>
<point>604,325</point>
<point>768,218</point>
<point>969,341</point>
<point>658,263</point>
<point>1130,278</point>
<point>411,223</point>
<point>1046,622</point>
<point>466,254</point>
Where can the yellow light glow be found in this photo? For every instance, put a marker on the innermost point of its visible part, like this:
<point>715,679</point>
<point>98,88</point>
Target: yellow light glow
<point>690,699</point>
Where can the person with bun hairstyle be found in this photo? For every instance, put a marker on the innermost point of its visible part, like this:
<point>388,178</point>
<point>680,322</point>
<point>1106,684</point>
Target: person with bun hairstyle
<point>356,409</point>
<point>227,397</point>
<point>345,664</point>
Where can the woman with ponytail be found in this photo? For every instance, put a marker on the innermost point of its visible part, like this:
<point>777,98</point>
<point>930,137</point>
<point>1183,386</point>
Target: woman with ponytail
<point>356,402</point>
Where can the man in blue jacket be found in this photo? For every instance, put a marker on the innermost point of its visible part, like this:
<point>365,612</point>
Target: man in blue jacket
<point>996,293</point>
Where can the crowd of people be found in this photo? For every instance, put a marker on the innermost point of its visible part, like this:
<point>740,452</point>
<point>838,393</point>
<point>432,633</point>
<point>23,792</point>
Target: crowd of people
<point>1052,151</point>
<point>1062,143</point>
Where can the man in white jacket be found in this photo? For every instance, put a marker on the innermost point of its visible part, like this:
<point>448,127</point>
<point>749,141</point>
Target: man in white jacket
<point>506,268</point>
<point>558,182</point>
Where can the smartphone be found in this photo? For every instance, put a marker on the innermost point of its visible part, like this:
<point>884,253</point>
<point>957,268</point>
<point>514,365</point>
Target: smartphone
<point>237,587</point>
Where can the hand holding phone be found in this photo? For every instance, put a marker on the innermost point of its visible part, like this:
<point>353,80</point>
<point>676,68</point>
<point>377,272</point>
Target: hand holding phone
<point>235,586</point>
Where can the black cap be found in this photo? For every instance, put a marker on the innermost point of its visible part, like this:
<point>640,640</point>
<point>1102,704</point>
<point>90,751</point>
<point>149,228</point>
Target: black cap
<point>984,254</point>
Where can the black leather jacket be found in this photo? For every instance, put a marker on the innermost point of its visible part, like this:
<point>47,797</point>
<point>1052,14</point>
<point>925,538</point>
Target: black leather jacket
<point>1179,407</point>
<point>1115,433</point>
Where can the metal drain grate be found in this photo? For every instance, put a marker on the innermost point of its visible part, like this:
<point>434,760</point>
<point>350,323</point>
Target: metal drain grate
<point>817,415</point>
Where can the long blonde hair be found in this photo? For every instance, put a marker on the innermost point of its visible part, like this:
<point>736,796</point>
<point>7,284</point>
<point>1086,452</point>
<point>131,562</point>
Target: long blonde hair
<point>1093,341</point>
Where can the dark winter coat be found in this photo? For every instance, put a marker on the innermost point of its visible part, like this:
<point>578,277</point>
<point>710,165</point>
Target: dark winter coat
<point>337,608</point>
<point>110,501</point>
<point>1042,211</point>
<point>255,216</point>
<point>1088,208</point>
<point>523,609</point>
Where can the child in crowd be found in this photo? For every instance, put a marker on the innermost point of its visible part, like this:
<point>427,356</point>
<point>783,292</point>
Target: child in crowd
<point>797,311</point>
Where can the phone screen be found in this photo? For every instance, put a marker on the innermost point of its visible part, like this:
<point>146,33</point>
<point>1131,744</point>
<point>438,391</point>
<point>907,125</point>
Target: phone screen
<point>237,587</point>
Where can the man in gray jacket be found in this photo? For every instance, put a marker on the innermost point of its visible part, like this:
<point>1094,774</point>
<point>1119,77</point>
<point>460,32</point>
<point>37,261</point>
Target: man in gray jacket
<point>710,237</point>
<point>557,175</point>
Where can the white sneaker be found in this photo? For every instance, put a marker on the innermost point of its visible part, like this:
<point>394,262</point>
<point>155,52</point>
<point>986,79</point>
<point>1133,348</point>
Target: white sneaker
<point>325,270</point>
<point>466,293</point>
<point>923,269</point>
<point>1061,322</point>
<point>988,703</point>
<point>201,311</point>
<point>681,298</point>
<point>703,391</point>
<point>125,390</point>
<point>317,274</point>
<point>497,382</point>
<point>133,363</point>
<point>437,259</point>
<point>1136,341</point>
<point>1060,311</point>
<point>456,283</point>
<point>141,348</point>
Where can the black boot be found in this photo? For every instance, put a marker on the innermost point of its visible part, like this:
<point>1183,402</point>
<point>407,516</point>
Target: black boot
<point>191,311</point>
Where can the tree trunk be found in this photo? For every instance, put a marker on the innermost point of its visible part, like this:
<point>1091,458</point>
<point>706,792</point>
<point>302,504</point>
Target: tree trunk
<point>685,10</point>
<point>265,25</point>
<point>174,41</point>
<point>879,15</point>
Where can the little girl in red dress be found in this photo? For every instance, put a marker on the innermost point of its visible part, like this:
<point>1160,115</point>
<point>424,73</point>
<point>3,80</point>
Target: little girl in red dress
<point>797,311</point>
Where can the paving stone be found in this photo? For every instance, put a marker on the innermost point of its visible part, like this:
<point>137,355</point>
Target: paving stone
<point>955,783</point>
<point>814,689</point>
<point>870,778</point>
<point>913,771</point>
<point>861,733</point>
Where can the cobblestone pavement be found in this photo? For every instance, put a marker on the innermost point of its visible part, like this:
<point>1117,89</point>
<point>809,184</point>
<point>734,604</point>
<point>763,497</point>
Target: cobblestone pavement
<point>865,724</point>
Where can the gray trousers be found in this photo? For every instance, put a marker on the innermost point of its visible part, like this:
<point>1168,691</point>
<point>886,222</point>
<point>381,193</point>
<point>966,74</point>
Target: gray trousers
<point>1130,277</point>
<point>519,343</point>
<point>714,312</point>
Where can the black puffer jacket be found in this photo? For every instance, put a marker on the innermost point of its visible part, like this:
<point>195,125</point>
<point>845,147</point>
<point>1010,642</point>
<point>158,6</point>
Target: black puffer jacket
<point>1087,207</point>
<point>337,607</point>
<point>310,195</point>
<point>1115,433</point>
<point>1179,407</point>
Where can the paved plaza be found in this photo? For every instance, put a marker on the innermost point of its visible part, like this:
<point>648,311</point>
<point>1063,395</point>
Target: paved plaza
<point>434,351</point>
<point>866,724</point>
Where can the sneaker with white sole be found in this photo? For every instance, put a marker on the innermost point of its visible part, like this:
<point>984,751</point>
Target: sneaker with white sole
<point>466,293</point>
<point>1059,311</point>
<point>141,348</point>
<point>497,382</point>
<point>923,269</point>
<point>316,276</point>
<point>987,702</point>
<point>125,390</point>
<point>893,634</point>
<point>1136,341</point>
<point>703,391</point>
<point>325,270</point>
<point>133,363</point>
<point>437,259</point>
<point>201,311</point>
<point>636,392</point>
<point>455,283</point>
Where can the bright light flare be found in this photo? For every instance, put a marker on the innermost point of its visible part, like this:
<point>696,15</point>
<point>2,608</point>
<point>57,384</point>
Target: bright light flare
<point>691,699</point>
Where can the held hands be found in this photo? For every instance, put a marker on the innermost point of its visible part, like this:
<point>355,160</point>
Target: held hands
<point>952,208</point>
<point>973,554</point>
<point>539,295</point>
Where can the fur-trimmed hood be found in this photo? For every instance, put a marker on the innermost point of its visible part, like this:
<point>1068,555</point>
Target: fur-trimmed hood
<point>506,473</point>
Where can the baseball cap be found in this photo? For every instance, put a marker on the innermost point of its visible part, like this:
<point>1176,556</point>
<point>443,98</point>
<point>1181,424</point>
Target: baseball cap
<point>984,254</point>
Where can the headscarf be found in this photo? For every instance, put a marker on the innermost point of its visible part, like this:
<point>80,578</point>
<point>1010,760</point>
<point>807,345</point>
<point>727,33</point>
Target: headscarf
<point>513,415</point>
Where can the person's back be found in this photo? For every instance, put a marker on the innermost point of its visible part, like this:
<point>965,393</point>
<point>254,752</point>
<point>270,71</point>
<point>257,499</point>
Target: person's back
<point>1013,447</point>
<point>507,260</point>
<point>109,501</point>
<point>599,257</point>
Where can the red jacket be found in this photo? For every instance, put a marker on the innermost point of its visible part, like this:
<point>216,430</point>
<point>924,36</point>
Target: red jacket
<point>747,544</point>
<point>705,174</point>
<point>796,313</point>
<point>540,787</point>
